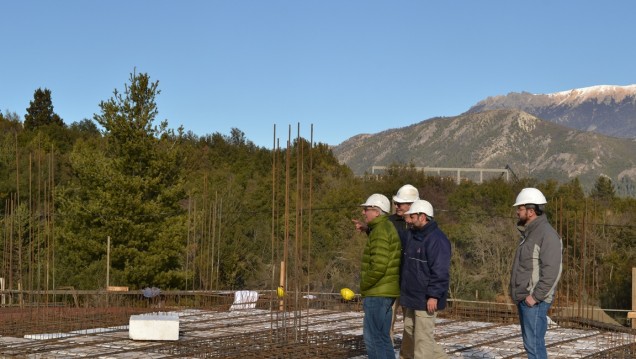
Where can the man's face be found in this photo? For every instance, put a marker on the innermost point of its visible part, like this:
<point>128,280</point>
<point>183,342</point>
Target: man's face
<point>415,220</point>
<point>523,215</point>
<point>370,213</point>
<point>409,219</point>
<point>401,208</point>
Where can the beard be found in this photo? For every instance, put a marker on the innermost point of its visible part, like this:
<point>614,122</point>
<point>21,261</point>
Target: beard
<point>522,221</point>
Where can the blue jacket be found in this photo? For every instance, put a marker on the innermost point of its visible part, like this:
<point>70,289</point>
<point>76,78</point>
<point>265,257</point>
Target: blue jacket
<point>425,268</point>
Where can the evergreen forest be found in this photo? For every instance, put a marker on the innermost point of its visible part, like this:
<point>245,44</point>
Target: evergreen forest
<point>123,199</point>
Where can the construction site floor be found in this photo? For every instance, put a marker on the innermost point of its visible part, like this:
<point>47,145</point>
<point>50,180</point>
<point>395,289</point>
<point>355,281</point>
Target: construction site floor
<point>312,333</point>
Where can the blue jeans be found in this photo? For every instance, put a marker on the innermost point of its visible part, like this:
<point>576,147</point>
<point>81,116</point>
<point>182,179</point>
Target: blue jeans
<point>534,324</point>
<point>378,312</point>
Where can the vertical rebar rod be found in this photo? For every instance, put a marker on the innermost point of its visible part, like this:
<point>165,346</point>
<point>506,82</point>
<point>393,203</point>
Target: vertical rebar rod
<point>209,267</point>
<point>51,211</point>
<point>17,206</point>
<point>218,243</point>
<point>286,225</point>
<point>273,218</point>
<point>30,227</point>
<point>309,219</point>
<point>215,240</point>
<point>297,231</point>
<point>187,249</point>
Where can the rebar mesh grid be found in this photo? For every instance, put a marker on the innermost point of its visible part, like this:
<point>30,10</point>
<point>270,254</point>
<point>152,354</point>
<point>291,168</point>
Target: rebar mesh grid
<point>85,324</point>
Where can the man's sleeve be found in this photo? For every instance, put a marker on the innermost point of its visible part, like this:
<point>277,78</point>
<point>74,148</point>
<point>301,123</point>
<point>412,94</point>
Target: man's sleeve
<point>550,266</point>
<point>378,260</point>
<point>439,263</point>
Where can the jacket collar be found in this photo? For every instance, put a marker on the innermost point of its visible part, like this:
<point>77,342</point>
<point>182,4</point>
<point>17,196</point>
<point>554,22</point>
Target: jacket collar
<point>532,225</point>
<point>379,219</point>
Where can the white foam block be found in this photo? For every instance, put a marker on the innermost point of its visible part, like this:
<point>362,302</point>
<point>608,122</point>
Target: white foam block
<point>155,326</point>
<point>244,299</point>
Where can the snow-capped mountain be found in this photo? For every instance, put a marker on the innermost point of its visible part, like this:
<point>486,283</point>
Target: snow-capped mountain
<point>606,109</point>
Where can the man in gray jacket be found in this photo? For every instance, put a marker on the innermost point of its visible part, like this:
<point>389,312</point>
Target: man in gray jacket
<point>535,271</point>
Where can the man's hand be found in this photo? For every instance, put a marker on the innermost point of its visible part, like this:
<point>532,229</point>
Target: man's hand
<point>530,301</point>
<point>431,305</point>
<point>360,226</point>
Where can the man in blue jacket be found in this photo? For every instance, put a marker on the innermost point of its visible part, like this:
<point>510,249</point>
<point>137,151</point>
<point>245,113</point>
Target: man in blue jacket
<point>424,282</point>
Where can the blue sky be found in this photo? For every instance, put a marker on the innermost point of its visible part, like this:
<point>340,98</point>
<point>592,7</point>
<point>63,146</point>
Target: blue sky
<point>347,67</point>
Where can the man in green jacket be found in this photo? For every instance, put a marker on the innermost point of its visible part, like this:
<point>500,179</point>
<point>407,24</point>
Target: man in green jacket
<point>380,277</point>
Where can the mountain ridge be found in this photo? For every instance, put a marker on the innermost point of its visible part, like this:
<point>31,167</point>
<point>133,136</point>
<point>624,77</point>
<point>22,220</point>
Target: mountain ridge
<point>493,139</point>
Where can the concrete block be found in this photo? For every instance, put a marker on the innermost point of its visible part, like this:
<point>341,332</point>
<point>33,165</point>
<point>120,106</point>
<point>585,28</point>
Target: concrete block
<point>155,326</point>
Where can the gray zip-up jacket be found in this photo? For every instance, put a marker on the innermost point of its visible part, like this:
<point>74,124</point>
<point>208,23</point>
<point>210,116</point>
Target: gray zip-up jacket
<point>537,265</point>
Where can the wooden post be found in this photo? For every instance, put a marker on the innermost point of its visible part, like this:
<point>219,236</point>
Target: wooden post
<point>282,283</point>
<point>2,289</point>
<point>108,262</point>
<point>632,314</point>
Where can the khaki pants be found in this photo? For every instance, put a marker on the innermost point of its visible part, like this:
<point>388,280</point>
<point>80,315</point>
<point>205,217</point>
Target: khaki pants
<point>396,306</point>
<point>417,340</point>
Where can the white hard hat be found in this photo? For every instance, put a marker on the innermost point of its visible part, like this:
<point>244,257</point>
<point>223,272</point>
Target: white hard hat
<point>406,194</point>
<point>421,206</point>
<point>530,196</point>
<point>378,200</point>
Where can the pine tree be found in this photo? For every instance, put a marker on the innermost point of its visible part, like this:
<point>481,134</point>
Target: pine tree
<point>40,111</point>
<point>128,190</point>
<point>603,189</point>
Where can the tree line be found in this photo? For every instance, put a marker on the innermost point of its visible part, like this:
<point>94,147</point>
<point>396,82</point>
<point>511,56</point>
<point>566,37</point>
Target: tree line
<point>182,211</point>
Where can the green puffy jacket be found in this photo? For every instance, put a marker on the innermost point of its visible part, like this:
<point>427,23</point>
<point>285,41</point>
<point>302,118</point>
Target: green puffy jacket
<point>380,275</point>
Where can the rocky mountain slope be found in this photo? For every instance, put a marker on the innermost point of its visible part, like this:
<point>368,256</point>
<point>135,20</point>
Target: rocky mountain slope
<point>610,110</point>
<point>493,139</point>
